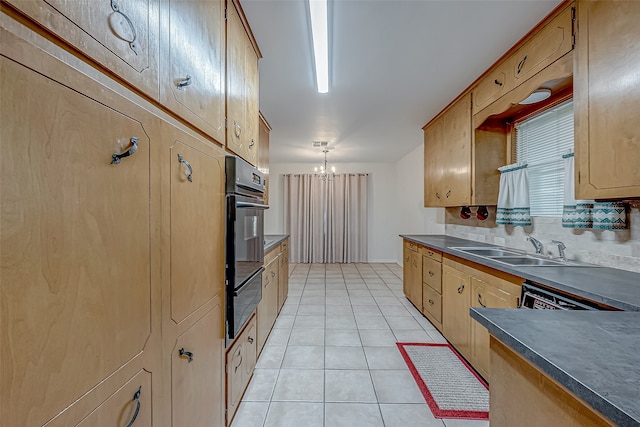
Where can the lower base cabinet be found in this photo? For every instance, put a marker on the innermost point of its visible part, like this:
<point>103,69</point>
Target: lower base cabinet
<point>283,278</point>
<point>241,360</point>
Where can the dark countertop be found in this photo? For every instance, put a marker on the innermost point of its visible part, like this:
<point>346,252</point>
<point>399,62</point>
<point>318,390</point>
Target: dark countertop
<point>594,354</point>
<point>609,286</point>
<point>271,240</point>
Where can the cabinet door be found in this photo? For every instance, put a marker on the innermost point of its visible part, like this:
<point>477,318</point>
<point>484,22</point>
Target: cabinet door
<point>415,287</point>
<point>283,277</point>
<point>121,35</point>
<point>193,78</point>
<point>455,308</point>
<point>75,242</point>
<point>236,83</point>
<point>491,295</point>
<point>197,229</point>
<point>492,87</point>
<point>235,378</point>
<point>455,152</point>
<point>406,269</point>
<point>252,103</point>
<point>607,138</point>
<point>249,343</point>
<point>263,154</point>
<point>197,368</point>
<point>547,45</point>
<point>433,165</point>
<point>267,310</point>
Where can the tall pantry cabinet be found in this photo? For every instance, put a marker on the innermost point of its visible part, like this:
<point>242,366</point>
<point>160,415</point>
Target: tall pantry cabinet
<point>112,212</point>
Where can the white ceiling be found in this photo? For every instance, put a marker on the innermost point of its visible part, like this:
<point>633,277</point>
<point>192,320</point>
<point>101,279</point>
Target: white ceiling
<point>393,66</point>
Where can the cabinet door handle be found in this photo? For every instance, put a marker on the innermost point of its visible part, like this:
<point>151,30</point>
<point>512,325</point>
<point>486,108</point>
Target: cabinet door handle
<point>183,353</point>
<point>460,289</point>
<point>498,82</point>
<point>273,274</point>
<point>431,273</point>
<point>414,263</point>
<point>437,195</point>
<point>136,398</point>
<point>431,302</point>
<point>238,129</point>
<point>118,30</point>
<point>250,339</point>
<point>188,165</point>
<point>480,301</point>
<point>115,157</point>
<point>252,143</point>
<point>235,369</point>
<point>448,194</point>
<point>184,82</point>
<point>521,64</point>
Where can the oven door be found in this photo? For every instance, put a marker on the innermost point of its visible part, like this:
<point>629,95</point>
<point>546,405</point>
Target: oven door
<point>241,301</point>
<point>245,237</point>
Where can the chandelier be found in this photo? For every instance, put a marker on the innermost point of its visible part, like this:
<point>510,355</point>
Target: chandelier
<point>324,173</point>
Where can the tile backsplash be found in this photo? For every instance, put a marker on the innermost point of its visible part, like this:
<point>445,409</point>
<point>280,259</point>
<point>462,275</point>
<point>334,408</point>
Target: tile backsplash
<point>616,249</point>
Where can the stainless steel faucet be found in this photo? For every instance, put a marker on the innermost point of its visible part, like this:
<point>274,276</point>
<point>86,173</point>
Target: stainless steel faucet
<point>536,244</point>
<point>561,248</point>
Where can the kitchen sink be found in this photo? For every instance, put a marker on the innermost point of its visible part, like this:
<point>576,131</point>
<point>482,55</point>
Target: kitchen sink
<point>530,261</point>
<point>517,258</point>
<point>488,252</point>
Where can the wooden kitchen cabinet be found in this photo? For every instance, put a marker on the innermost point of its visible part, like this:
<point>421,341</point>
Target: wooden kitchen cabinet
<point>432,286</point>
<point>456,287</point>
<point>449,142</point>
<point>192,82</point>
<point>241,360</point>
<point>80,305</point>
<point>493,292</point>
<point>492,86</point>
<point>242,86</point>
<point>412,273</point>
<point>607,136</point>
<point>263,154</point>
<point>120,35</point>
<point>267,309</point>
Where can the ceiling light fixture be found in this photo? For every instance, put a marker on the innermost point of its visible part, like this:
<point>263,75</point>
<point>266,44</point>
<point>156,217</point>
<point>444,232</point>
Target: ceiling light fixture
<point>537,96</point>
<point>320,35</point>
<point>324,170</point>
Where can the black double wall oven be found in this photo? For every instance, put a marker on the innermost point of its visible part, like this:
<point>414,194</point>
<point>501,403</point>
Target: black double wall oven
<point>244,236</point>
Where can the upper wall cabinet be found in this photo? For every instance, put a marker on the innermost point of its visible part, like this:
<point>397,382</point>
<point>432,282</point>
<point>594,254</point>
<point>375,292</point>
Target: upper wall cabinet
<point>263,154</point>
<point>193,63</point>
<point>121,35</point>
<point>606,99</point>
<point>242,87</point>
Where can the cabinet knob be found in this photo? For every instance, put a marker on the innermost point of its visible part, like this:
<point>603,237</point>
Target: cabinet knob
<point>189,168</point>
<point>460,289</point>
<point>136,398</point>
<point>184,82</point>
<point>183,353</point>
<point>115,157</point>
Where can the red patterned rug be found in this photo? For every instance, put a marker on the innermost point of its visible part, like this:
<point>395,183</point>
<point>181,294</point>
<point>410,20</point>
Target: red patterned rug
<point>450,386</point>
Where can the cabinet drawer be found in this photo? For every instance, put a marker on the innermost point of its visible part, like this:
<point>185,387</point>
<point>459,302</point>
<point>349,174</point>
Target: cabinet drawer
<point>433,254</point>
<point>492,87</point>
<point>549,44</point>
<point>284,246</point>
<point>432,302</point>
<point>271,255</point>
<point>412,246</point>
<point>432,273</point>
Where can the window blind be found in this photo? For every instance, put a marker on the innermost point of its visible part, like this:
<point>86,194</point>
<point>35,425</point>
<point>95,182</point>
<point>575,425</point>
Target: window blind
<point>540,142</point>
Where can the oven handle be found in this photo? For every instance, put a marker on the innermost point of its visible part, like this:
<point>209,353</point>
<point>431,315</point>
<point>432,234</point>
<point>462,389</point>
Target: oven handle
<point>251,205</point>
<point>239,290</point>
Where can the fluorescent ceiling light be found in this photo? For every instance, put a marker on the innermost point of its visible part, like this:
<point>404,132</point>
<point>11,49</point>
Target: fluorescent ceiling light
<point>320,34</point>
<point>537,96</point>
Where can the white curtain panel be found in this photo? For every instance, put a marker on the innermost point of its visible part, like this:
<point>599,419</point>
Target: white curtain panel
<point>326,219</point>
<point>513,197</point>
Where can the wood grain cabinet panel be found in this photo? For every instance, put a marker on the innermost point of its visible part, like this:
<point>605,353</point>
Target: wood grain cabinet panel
<point>197,233</point>
<point>267,309</point>
<point>197,397</point>
<point>263,154</point>
<point>492,87</point>
<point>606,99</point>
<point>241,360</point>
<point>193,63</point>
<point>121,35</point>
<point>283,278</point>
<point>76,288</point>
<point>456,287</point>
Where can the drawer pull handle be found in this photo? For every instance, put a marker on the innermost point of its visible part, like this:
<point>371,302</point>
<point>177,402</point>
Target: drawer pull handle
<point>437,195</point>
<point>136,398</point>
<point>238,129</point>
<point>521,64</point>
<point>448,194</point>
<point>499,83</point>
<point>188,165</point>
<point>182,352</point>
<point>235,369</point>
<point>273,274</point>
<point>252,143</point>
<point>250,339</point>
<point>184,82</point>
<point>480,301</point>
<point>460,289</point>
<point>431,273</point>
<point>414,263</point>
<point>121,32</point>
<point>115,157</point>
<point>431,302</point>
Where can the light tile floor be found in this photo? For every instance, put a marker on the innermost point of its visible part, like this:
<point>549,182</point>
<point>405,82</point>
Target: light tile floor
<point>331,359</point>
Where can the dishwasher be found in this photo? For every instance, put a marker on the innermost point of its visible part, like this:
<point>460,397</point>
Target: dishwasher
<point>537,297</point>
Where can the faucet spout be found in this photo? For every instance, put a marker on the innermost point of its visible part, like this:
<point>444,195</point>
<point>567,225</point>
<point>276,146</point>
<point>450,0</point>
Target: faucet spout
<point>536,244</point>
<point>561,248</point>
